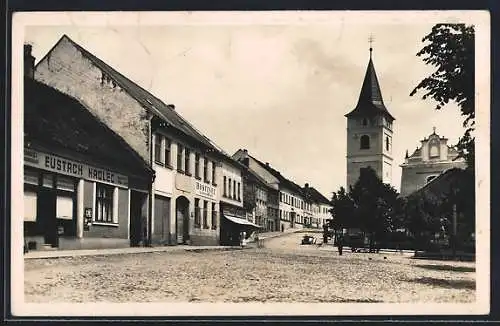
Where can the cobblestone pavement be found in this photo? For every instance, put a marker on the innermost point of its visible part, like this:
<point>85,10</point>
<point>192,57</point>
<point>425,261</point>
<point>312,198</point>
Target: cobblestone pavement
<point>282,271</point>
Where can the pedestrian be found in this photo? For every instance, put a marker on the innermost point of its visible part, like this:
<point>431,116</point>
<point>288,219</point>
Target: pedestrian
<point>340,244</point>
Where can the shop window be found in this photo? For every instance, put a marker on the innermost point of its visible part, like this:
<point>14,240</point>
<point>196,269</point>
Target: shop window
<point>168,148</point>
<point>187,168</point>
<point>364,142</point>
<point>104,203</point>
<point>64,207</point>
<point>205,214</point>
<point>158,149</point>
<point>214,217</point>
<point>197,166</point>
<point>30,199</point>
<point>197,217</point>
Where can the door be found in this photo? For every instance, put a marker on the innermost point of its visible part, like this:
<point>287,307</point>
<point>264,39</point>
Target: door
<point>46,208</point>
<point>162,219</point>
<point>137,201</point>
<point>182,219</point>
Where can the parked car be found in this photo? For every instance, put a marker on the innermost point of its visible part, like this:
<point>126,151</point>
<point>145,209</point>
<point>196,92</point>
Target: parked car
<point>307,240</point>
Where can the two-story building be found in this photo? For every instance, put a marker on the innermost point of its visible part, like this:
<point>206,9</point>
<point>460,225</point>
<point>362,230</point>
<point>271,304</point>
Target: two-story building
<point>84,187</point>
<point>183,200</point>
<point>320,206</point>
<point>287,201</point>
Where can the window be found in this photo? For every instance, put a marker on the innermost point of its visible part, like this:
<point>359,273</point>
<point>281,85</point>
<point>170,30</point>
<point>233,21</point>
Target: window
<point>365,122</point>
<point>197,217</point>
<point>187,162</point>
<point>158,149</point>
<point>229,192</point>
<point>239,194</point>
<point>234,189</point>
<point>205,214</point>
<point>214,217</point>
<point>387,143</point>
<point>179,157</point>
<point>281,197</point>
<point>213,173</point>
<point>281,214</point>
<point>31,177</point>
<point>167,158</point>
<point>104,203</point>
<point>225,187</point>
<point>30,198</point>
<point>365,142</point>
<point>197,165</point>
<point>434,152</point>
<point>205,169</point>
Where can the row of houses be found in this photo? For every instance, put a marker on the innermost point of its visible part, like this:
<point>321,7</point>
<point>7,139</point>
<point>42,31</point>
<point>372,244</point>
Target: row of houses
<point>108,164</point>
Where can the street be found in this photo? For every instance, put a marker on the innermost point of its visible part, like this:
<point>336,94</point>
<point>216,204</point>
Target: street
<point>282,271</point>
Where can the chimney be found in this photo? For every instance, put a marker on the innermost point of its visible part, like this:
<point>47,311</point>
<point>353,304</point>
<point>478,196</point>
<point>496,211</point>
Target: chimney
<point>267,163</point>
<point>306,185</point>
<point>171,106</point>
<point>29,61</point>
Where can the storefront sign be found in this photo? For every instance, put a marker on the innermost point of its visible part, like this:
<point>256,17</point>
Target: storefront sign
<point>73,168</point>
<point>205,190</point>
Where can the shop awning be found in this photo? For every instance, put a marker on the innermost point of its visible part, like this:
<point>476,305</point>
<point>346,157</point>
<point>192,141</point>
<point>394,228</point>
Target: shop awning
<point>241,221</point>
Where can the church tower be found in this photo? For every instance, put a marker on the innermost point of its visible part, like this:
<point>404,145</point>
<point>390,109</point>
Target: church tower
<point>369,132</point>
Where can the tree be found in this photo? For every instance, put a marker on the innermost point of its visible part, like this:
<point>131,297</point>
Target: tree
<point>375,205</point>
<point>342,210</point>
<point>450,48</point>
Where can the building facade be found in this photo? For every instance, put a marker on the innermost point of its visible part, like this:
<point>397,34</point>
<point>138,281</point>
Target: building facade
<point>369,132</point>
<point>84,187</point>
<point>183,202</point>
<point>320,207</point>
<point>428,161</point>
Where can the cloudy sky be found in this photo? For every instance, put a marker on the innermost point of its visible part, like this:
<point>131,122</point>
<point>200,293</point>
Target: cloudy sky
<point>278,86</point>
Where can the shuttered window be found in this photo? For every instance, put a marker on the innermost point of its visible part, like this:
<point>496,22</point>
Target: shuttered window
<point>64,207</point>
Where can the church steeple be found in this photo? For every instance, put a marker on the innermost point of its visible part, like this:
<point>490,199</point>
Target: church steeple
<point>370,100</point>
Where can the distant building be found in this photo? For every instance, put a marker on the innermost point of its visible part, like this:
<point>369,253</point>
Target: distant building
<point>428,161</point>
<point>321,206</point>
<point>369,132</point>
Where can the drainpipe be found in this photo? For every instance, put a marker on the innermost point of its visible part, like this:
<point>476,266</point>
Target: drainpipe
<point>151,184</point>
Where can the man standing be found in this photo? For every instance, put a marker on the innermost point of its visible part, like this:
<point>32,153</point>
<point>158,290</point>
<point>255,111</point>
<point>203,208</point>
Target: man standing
<point>340,243</point>
<point>325,233</point>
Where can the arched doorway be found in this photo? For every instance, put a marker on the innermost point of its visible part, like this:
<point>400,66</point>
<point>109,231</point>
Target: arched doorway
<point>182,219</point>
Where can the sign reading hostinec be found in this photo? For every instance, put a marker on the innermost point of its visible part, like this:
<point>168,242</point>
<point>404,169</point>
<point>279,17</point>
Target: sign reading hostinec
<point>205,190</point>
<point>69,167</point>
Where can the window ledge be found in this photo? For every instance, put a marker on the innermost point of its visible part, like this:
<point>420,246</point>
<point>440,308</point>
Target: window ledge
<point>214,184</point>
<point>188,174</point>
<point>168,166</point>
<point>180,171</point>
<point>197,178</point>
<point>106,224</point>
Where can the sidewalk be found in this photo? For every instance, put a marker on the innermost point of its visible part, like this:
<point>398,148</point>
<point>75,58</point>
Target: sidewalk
<point>120,251</point>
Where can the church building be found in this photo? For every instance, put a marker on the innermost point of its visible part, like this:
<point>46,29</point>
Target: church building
<point>369,132</point>
<point>427,162</point>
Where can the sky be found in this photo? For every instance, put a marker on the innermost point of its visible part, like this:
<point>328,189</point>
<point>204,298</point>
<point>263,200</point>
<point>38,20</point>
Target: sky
<point>278,87</point>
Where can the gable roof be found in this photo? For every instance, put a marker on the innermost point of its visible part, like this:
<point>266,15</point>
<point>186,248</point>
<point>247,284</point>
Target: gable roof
<point>370,100</point>
<point>283,181</point>
<point>315,195</point>
<point>442,183</point>
<point>48,122</point>
<point>153,104</point>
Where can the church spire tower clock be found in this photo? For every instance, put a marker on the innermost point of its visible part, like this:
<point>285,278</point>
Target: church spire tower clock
<point>369,131</point>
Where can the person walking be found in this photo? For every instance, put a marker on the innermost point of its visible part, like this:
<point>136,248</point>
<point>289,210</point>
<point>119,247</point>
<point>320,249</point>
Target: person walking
<point>340,243</point>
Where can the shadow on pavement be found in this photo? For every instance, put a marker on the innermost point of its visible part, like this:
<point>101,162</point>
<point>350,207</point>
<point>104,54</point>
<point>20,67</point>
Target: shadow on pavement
<point>453,284</point>
<point>448,268</point>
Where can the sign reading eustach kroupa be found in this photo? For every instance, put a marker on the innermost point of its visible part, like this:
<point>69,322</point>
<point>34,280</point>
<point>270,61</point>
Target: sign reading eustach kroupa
<point>73,168</point>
